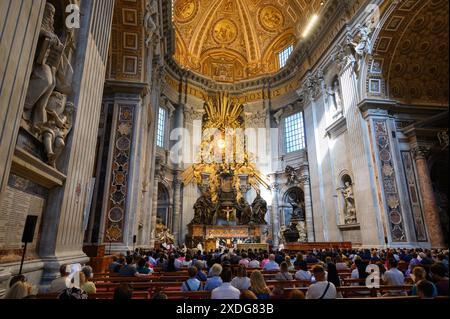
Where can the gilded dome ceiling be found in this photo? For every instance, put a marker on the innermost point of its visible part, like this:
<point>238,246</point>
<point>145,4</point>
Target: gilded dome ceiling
<point>233,40</point>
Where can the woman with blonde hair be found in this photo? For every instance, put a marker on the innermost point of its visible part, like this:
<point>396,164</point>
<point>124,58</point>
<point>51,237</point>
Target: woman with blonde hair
<point>283,275</point>
<point>85,284</point>
<point>291,267</point>
<point>258,285</point>
<point>19,290</point>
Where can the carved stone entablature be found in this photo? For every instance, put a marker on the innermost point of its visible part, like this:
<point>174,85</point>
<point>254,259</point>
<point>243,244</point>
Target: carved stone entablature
<point>256,119</point>
<point>337,128</point>
<point>372,107</point>
<point>191,115</point>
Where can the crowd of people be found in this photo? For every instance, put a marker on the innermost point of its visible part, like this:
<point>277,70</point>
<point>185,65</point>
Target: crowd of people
<point>213,271</point>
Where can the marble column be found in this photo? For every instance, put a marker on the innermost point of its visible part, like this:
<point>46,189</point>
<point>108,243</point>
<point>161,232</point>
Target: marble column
<point>430,206</point>
<point>275,213</point>
<point>176,227</point>
<point>308,209</point>
<point>154,211</point>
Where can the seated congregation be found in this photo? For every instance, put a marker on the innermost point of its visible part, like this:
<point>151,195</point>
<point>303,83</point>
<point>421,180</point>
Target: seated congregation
<point>317,274</point>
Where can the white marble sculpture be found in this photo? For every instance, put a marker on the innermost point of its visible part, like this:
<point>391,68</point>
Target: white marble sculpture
<point>58,125</point>
<point>349,209</point>
<point>151,9</point>
<point>43,78</point>
<point>335,99</point>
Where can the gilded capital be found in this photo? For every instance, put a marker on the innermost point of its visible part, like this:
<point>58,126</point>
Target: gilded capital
<point>420,152</point>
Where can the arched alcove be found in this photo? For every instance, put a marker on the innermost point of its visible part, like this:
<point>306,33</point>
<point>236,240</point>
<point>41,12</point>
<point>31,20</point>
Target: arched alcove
<point>163,208</point>
<point>294,196</point>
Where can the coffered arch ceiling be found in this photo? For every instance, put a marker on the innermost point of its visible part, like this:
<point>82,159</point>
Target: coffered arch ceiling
<point>411,51</point>
<point>233,40</point>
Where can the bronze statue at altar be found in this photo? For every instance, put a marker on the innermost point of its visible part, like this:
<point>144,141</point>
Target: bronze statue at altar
<point>231,208</point>
<point>259,210</point>
<point>204,210</point>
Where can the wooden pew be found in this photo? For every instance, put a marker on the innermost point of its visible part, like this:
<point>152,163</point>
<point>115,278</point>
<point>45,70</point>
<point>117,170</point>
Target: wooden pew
<point>98,295</point>
<point>110,295</point>
<point>139,286</point>
<point>384,298</point>
<point>188,295</point>
<point>124,279</point>
<point>354,290</point>
<point>288,283</point>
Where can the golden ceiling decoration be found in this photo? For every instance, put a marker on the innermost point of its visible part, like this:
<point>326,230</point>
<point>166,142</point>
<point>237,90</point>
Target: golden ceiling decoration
<point>233,40</point>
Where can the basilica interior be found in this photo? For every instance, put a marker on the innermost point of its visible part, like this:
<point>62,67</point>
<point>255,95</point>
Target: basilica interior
<point>131,124</point>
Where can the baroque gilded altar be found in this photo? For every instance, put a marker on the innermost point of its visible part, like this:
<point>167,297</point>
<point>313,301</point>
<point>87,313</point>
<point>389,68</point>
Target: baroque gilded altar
<point>224,173</point>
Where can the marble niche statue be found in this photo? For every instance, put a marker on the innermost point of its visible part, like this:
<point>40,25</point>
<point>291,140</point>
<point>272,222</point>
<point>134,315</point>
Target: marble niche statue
<point>297,209</point>
<point>349,208</point>
<point>335,99</point>
<point>46,109</point>
<point>151,9</point>
<point>259,210</point>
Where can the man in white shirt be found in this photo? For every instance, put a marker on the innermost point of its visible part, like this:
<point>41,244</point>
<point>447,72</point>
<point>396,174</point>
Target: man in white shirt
<point>322,289</point>
<point>226,290</point>
<point>394,277</point>
<point>61,283</point>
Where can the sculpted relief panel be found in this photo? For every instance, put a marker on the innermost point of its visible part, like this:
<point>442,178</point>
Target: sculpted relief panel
<point>271,18</point>
<point>47,116</point>
<point>185,9</point>
<point>225,31</point>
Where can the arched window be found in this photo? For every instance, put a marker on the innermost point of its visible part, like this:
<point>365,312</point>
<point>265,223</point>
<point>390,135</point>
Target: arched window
<point>283,55</point>
<point>161,131</point>
<point>294,133</point>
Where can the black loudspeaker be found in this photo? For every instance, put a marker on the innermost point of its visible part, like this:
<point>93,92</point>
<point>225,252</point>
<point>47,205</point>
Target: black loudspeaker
<point>30,227</point>
<point>134,239</point>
